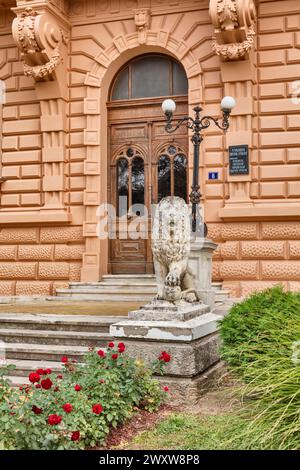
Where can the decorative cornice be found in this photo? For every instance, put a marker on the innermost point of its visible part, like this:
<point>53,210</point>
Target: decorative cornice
<point>234,32</point>
<point>142,22</point>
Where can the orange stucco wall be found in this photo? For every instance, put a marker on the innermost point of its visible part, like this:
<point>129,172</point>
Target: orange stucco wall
<point>56,172</point>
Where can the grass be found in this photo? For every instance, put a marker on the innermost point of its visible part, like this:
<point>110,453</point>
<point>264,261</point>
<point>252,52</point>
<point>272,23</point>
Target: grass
<point>261,346</point>
<point>189,432</point>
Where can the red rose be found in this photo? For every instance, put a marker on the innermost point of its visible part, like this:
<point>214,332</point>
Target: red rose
<point>164,357</point>
<point>59,376</point>
<point>114,356</point>
<point>54,419</point>
<point>75,436</point>
<point>97,409</point>
<point>46,384</point>
<point>77,388</point>
<point>121,347</point>
<point>48,371</point>
<point>101,353</point>
<point>38,386</point>
<point>166,389</point>
<point>64,359</point>
<point>41,372</point>
<point>56,389</point>
<point>67,408</point>
<point>36,410</point>
<point>111,345</point>
<point>34,377</point>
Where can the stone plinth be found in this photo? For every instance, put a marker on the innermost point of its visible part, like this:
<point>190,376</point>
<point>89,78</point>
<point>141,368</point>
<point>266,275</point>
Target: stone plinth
<point>166,311</point>
<point>200,261</point>
<point>188,332</point>
<point>178,331</point>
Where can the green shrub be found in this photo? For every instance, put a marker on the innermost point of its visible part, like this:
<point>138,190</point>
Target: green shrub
<point>77,408</point>
<point>260,345</point>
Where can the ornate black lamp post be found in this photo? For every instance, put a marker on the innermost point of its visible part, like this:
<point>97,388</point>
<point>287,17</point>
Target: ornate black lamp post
<point>197,125</point>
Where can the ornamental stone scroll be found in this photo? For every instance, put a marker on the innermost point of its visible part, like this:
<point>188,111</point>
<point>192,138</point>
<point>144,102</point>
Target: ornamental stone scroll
<point>234,32</point>
<point>41,40</point>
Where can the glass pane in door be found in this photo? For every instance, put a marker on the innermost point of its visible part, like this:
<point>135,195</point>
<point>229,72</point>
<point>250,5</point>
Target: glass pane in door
<point>138,184</point>
<point>180,176</point>
<point>164,177</point>
<point>122,191</point>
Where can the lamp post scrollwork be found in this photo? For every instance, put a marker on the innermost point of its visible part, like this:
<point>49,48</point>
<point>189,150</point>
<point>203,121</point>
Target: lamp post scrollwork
<point>197,125</point>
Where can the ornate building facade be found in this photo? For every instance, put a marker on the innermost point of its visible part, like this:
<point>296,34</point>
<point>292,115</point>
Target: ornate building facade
<point>82,86</point>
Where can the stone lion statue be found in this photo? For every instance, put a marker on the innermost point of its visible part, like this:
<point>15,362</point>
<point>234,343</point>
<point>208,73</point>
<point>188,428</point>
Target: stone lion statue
<point>171,248</point>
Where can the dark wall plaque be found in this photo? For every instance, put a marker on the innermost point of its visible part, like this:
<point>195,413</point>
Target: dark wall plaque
<point>238,160</point>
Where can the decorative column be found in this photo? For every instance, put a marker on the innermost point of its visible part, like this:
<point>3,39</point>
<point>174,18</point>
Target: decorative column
<point>233,40</point>
<point>40,31</point>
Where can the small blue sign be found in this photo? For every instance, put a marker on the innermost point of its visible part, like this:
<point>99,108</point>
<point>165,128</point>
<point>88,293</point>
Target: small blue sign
<point>213,175</point>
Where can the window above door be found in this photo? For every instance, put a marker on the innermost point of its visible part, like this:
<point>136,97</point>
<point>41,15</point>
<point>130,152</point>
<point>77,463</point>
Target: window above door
<point>150,76</point>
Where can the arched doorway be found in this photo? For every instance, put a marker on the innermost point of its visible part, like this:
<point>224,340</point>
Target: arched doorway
<point>145,163</point>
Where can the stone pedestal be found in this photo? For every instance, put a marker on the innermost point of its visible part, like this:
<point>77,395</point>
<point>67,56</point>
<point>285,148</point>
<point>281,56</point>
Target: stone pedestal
<point>161,310</point>
<point>188,332</point>
<point>200,261</point>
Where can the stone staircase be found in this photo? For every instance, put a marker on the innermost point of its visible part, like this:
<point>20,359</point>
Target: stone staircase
<point>36,340</point>
<point>30,341</point>
<point>122,288</point>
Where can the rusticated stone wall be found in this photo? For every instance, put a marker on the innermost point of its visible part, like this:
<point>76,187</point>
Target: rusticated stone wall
<point>63,165</point>
<point>259,238</point>
<point>36,261</point>
<point>21,161</point>
<point>257,255</point>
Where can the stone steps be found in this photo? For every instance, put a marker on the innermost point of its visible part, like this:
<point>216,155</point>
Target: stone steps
<point>17,381</point>
<point>25,367</point>
<point>122,288</point>
<point>68,338</point>
<point>43,352</point>
<point>57,322</point>
<point>33,341</point>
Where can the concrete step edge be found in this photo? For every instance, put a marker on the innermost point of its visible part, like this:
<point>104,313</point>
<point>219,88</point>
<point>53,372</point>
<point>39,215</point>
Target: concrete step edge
<point>54,334</point>
<point>45,348</point>
<point>17,381</point>
<point>110,289</point>
<point>50,319</point>
<point>23,364</point>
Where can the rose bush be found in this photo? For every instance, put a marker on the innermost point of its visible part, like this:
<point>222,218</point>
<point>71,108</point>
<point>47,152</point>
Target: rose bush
<point>76,408</point>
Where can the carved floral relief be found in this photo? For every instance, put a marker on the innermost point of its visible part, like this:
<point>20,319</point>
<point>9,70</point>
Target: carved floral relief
<point>40,40</point>
<point>234,23</point>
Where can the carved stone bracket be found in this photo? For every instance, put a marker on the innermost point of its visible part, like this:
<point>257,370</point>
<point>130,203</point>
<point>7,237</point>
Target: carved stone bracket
<point>40,32</point>
<point>234,32</point>
<point>142,22</point>
<point>41,41</point>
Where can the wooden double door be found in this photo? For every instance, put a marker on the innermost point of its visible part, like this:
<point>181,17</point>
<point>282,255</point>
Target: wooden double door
<point>146,164</point>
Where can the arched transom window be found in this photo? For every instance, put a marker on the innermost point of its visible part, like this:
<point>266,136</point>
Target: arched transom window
<point>150,76</point>
<point>172,170</point>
